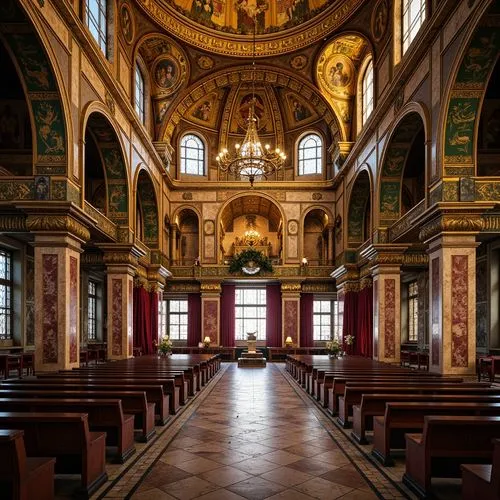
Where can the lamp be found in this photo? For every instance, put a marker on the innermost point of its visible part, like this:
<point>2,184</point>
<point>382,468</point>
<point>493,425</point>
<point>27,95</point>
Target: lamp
<point>288,341</point>
<point>304,262</point>
<point>206,341</point>
<point>251,159</point>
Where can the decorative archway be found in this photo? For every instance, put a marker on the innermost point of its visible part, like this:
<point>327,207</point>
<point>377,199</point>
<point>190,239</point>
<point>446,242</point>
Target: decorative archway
<point>411,128</point>
<point>359,212</point>
<point>148,206</point>
<point>314,239</point>
<point>102,144</point>
<point>188,246</point>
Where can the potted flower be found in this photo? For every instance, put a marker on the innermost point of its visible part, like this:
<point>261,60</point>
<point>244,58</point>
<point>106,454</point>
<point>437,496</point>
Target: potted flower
<point>349,341</point>
<point>165,346</point>
<point>333,348</point>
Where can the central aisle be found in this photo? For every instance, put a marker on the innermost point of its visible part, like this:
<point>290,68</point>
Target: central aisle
<point>253,437</point>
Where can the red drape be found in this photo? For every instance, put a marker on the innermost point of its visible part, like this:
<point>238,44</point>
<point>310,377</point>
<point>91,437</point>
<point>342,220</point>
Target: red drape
<point>227,315</point>
<point>142,320</point>
<point>154,299</point>
<point>351,320</point>
<point>306,320</point>
<point>364,340</point>
<point>194,320</point>
<point>273,316</point>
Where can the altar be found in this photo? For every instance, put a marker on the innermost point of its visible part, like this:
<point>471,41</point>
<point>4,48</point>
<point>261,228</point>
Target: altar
<point>252,357</point>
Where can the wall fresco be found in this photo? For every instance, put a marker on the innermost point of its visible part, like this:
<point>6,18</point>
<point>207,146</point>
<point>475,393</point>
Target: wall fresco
<point>360,196</point>
<point>459,311</point>
<point>146,194</point>
<point>459,136</point>
<point>211,319</point>
<point>290,319</point>
<point>389,200</point>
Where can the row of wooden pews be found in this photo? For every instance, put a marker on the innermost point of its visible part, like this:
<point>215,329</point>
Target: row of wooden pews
<point>441,422</point>
<point>81,416</point>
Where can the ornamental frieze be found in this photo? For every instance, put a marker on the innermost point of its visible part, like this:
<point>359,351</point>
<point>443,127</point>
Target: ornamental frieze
<point>278,43</point>
<point>318,288</point>
<point>456,223</point>
<point>58,223</point>
<point>211,288</point>
<point>183,288</point>
<point>291,287</point>
<point>12,222</point>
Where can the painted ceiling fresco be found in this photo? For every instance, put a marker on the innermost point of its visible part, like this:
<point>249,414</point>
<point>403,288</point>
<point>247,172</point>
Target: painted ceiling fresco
<point>237,16</point>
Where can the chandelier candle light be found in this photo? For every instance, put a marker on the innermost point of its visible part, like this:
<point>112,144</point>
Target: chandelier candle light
<point>251,159</point>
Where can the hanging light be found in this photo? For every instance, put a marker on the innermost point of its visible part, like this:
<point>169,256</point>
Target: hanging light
<point>251,159</point>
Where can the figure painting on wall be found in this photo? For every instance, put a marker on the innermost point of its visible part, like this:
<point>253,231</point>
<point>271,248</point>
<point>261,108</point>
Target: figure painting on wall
<point>300,112</point>
<point>298,11</point>
<point>166,73</point>
<point>338,75</point>
<point>202,112</point>
<point>244,108</point>
<point>248,11</point>
<point>127,23</point>
<point>202,10</point>
<point>379,20</point>
<point>42,186</point>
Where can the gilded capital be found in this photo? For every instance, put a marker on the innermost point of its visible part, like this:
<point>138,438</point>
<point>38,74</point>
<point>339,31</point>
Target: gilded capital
<point>57,223</point>
<point>291,287</point>
<point>455,223</point>
<point>211,288</point>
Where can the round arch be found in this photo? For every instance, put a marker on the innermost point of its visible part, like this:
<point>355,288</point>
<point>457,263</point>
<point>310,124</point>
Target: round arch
<point>189,243</point>
<point>115,165</point>
<point>360,200</point>
<point>413,119</point>
<point>145,193</point>
<point>314,242</point>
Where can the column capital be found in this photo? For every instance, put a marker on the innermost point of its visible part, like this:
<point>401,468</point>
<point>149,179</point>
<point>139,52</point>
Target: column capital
<point>347,272</point>
<point>385,254</point>
<point>211,287</point>
<point>121,254</point>
<point>291,287</point>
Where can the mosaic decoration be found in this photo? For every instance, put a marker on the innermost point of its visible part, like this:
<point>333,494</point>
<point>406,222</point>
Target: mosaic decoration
<point>73,310</point>
<point>459,311</point>
<point>464,106</point>
<point>117,312</point>
<point>435,337</point>
<point>146,194</point>
<point>390,318</point>
<point>50,308</point>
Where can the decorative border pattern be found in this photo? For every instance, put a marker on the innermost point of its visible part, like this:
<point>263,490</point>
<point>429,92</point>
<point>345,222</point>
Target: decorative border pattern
<point>116,322</point>
<point>50,308</point>
<point>390,318</point>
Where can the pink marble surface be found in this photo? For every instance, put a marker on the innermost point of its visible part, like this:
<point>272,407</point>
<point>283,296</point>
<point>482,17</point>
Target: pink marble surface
<point>376,313</point>
<point>73,310</point>
<point>116,328</point>
<point>390,318</point>
<point>130,332</point>
<point>435,312</point>
<point>210,319</point>
<point>459,311</point>
<point>290,324</point>
<point>50,308</point>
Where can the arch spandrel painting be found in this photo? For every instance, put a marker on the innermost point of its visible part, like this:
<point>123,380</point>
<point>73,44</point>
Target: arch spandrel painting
<point>236,16</point>
<point>239,117</point>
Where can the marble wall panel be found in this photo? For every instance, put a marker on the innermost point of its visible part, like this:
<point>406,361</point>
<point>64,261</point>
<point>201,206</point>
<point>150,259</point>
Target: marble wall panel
<point>73,310</point>
<point>459,311</point>
<point>50,308</point>
<point>116,323</point>
<point>390,318</point>
<point>435,340</point>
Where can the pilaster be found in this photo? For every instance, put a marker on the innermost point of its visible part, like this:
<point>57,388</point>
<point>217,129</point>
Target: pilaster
<point>210,311</point>
<point>290,307</point>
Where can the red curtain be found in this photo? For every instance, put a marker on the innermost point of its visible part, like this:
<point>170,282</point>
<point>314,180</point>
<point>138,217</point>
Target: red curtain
<point>306,320</point>
<point>228,299</point>
<point>351,318</point>
<point>154,299</point>
<point>364,340</point>
<point>194,320</point>
<point>273,316</point>
<point>142,320</point>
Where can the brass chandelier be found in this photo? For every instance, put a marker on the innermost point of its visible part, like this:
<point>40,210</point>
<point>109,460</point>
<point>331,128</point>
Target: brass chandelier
<point>251,159</point>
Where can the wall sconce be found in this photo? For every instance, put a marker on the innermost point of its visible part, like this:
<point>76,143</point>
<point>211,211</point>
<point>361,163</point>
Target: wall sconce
<point>197,262</point>
<point>304,262</point>
<point>288,341</point>
<point>206,341</point>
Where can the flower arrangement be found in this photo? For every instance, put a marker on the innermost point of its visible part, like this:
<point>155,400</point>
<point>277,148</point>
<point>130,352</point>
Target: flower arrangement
<point>349,339</point>
<point>165,345</point>
<point>333,347</point>
<point>252,260</point>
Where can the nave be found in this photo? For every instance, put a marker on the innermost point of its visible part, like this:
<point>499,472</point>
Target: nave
<point>252,433</point>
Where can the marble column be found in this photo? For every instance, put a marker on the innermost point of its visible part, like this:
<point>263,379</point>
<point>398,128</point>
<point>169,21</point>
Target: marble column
<point>210,312</point>
<point>57,308</point>
<point>290,310</point>
<point>121,263</point>
<point>386,273</point>
<point>452,304</point>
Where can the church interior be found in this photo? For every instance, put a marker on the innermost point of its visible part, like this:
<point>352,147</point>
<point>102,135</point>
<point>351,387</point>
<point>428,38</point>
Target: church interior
<point>179,176</point>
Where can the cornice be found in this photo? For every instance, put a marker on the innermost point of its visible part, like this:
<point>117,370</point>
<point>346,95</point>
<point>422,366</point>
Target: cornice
<point>211,287</point>
<point>210,185</point>
<point>291,287</point>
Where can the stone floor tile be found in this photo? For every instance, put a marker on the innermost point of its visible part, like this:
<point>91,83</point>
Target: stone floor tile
<point>287,476</point>
<point>256,488</point>
<point>190,487</point>
<point>225,476</point>
<point>322,489</point>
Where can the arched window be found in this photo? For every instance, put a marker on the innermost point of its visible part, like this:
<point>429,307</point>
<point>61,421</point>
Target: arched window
<point>367,93</point>
<point>192,155</point>
<point>310,155</point>
<point>413,16</point>
<point>140,94</point>
<point>96,18</point>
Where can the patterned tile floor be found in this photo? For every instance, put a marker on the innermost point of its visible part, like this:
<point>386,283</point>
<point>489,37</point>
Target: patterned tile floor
<point>252,434</point>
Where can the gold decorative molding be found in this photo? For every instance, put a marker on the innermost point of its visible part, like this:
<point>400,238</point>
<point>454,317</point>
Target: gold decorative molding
<point>278,43</point>
<point>122,258</point>
<point>366,283</point>
<point>467,223</point>
<point>291,287</point>
<point>119,254</point>
<point>318,288</point>
<point>350,286</point>
<point>183,287</point>
<point>12,222</point>
<point>491,223</point>
<point>211,288</point>
<point>92,259</point>
<point>415,259</point>
<point>57,223</point>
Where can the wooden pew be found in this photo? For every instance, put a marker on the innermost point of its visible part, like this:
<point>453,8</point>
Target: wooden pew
<point>374,405</point>
<point>483,480</point>
<point>133,402</point>
<point>104,415</point>
<point>154,392</point>
<point>10,362</point>
<point>22,477</point>
<point>447,442</point>
<point>67,437</point>
<point>401,418</point>
<point>353,392</point>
